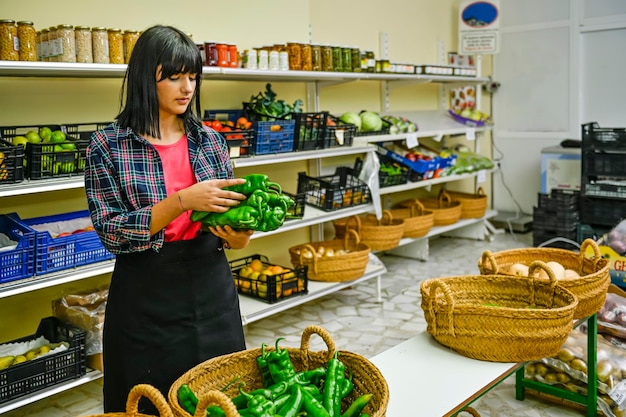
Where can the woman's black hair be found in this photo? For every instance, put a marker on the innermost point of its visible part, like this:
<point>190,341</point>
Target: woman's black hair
<point>176,53</point>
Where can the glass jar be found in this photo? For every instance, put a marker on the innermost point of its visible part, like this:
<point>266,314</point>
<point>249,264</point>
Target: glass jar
<point>346,58</point>
<point>263,55</point>
<point>337,59</point>
<point>306,56</point>
<point>283,58</point>
<point>130,39</point>
<point>84,48</point>
<point>371,61</point>
<point>100,45</point>
<point>43,44</point>
<point>356,59</point>
<point>295,56</point>
<point>53,46</point>
<point>9,43</point>
<point>250,59</point>
<point>233,56</point>
<point>327,58</point>
<point>316,57</point>
<point>222,54</point>
<point>66,42</point>
<point>210,51</point>
<point>27,36</point>
<point>116,46</point>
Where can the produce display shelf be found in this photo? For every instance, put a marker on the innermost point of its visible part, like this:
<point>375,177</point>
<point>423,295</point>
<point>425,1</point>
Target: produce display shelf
<point>301,155</point>
<point>253,310</point>
<point>91,375</point>
<point>38,282</point>
<point>427,183</point>
<point>39,186</point>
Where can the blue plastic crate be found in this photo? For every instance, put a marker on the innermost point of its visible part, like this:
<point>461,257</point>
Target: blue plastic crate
<point>18,262</point>
<point>69,251</point>
<point>273,137</point>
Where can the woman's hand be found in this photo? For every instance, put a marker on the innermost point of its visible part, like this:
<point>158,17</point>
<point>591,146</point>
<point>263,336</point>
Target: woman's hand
<point>235,239</point>
<point>209,196</point>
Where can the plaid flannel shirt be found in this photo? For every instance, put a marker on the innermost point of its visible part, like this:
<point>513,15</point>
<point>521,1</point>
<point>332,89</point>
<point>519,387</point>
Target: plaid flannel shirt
<point>124,179</point>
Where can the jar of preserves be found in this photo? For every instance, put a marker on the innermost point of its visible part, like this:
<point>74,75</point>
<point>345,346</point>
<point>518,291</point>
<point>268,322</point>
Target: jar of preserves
<point>210,51</point>
<point>9,43</point>
<point>371,61</point>
<point>356,59</point>
<point>337,59</point>
<point>233,56</point>
<point>66,42</point>
<point>43,44</point>
<point>346,58</point>
<point>263,56</point>
<point>283,58</point>
<point>316,57</point>
<point>130,39</point>
<point>222,54</point>
<point>116,46</point>
<point>295,56</point>
<point>84,49</point>
<point>100,45</point>
<point>27,37</point>
<point>327,58</point>
<point>250,59</point>
<point>53,45</point>
<point>306,57</point>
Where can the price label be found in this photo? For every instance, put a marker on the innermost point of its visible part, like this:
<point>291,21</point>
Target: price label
<point>411,140</point>
<point>470,133</point>
<point>481,176</point>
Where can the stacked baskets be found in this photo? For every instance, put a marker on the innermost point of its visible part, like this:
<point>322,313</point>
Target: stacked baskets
<point>445,210</point>
<point>473,206</point>
<point>499,318</point>
<point>379,235</point>
<point>417,220</point>
<point>336,268</point>
<point>219,372</point>
<point>590,288</point>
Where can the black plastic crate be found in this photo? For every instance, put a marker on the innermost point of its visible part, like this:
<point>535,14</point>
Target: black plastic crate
<point>602,211</point>
<point>338,133</point>
<point>604,187</point>
<point>547,219</point>
<point>296,211</point>
<point>559,200</point>
<point>603,138</point>
<point>603,164</point>
<point>11,162</point>
<point>391,172</point>
<point>384,131</point>
<point>290,282</point>
<point>239,141</point>
<point>36,374</point>
<point>310,130</point>
<point>333,192</point>
<point>587,231</point>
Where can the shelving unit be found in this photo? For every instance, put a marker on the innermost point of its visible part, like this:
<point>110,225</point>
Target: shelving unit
<point>432,124</point>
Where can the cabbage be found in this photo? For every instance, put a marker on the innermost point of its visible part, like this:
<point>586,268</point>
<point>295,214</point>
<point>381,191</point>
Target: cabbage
<point>351,118</point>
<point>371,122</point>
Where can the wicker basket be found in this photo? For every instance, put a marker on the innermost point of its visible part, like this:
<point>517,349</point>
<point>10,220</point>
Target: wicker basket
<point>219,372</point>
<point>132,404</point>
<point>417,220</point>
<point>487,317</point>
<point>383,234</point>
<point>473,206</point>
<point>445,210</point>
<point>590,288</point>
<point>337,268</point>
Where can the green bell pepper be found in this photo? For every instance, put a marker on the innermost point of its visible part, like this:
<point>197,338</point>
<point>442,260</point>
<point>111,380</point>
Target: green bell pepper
<point>242,217</point>
<point>254,182</point>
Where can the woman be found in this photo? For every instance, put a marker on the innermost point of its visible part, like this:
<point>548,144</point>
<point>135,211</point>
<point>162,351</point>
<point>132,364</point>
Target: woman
<point>172,301</point>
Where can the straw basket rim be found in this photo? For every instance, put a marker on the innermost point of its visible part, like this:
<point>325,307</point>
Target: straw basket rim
<point>382,234</point>
<point>442,215</point>
<point>472,205</point>
<point>199,378</point>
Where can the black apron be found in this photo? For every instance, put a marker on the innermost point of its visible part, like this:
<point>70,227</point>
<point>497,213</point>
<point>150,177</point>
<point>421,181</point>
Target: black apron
<point>166,313</point>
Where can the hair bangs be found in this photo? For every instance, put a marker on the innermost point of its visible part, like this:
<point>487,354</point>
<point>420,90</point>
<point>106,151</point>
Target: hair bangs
<point>182,60</point>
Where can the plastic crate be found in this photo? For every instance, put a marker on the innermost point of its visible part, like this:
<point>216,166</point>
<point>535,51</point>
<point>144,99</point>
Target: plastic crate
<point>603,138</point>
<point>39,373</point>
<point>604,187</point>
<point>310,130</point>
<point>587,231</point>
<point>64,252</point>
<point>549,219</point>
<point>273,137</point>
<point>18,262</point>
<point>239,141</point>
<point>385,179</point>
<point>338,133</point>
<point>297,210</point>
<point>602,211</point>
<point>559,200</point>
<point>11,162</point>
<point>269,288</point>
<point>603,164</point>
<point>332,192</point>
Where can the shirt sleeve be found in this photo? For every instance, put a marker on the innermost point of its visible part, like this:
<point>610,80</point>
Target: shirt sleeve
<point>120,229</point>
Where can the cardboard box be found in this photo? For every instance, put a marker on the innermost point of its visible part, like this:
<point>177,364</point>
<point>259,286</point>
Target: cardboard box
<point>560,169</point>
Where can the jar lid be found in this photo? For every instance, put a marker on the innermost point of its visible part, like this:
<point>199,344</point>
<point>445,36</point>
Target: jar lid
<point>7,21</point>
<point>82,28</point>
<point>114,30</point>
<point>99,28</point>
<point>25,22</point>
<point>44,30</point>
<point>65,27</point>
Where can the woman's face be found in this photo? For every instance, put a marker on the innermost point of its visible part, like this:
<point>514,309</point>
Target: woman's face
<point>175,93</point>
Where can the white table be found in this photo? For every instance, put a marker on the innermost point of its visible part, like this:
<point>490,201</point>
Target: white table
<point>428,379</point>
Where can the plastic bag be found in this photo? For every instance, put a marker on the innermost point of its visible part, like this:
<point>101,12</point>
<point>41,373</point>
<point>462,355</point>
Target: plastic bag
<point>369,175</point>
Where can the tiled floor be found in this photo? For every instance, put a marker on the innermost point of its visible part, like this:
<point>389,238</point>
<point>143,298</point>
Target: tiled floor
<point>359,324</point>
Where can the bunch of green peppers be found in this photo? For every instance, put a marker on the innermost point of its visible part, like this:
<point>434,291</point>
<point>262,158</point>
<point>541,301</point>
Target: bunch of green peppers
<point>264,209</point>
<point>287,393</point>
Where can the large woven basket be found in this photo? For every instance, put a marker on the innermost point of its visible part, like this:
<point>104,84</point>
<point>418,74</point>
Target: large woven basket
<point>132,404</point>
<point>499,318</point>
<point>473,206</point>
<point>383,234</point>
<point>417,220</point>
<point>219,372</point>
<point>344,267</point>
<point>445,210</point>
<point>590,288</point>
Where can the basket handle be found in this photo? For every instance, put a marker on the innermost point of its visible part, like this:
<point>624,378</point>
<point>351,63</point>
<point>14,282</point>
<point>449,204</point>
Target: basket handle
<point>444,199</point>
<point>386,219</point>
<point>356,220</point>
<point>215,397</point>
<point>488,256</point>
<point>583,248</point>
<point>416,208</point>
<point>480,191</point>
<point>152,394</point>
<point>312,249</point>
<point>436,285</point>
<point>346,239</point>
<point>471,411</point>
<point>531,272</point>
<point>305,342</point>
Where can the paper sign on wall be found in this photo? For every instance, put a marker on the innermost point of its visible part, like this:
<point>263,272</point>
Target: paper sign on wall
<point>479,27</point>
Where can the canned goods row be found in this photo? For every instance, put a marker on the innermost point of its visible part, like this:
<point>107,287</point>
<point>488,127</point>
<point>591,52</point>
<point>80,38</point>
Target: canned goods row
<point>218,54</point>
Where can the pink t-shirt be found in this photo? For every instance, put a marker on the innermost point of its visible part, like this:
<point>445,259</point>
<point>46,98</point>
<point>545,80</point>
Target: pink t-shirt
<point>178,175</point>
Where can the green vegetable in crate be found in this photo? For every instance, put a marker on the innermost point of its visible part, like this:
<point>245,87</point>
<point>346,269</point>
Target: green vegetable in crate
<point>265,106</point>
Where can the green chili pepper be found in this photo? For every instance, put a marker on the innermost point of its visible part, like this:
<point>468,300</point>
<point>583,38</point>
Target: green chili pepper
<point>198,216</point>
<point>271,393</point>
<point>188,401</point>
<point>261,362</point>
<point>332,390</point>
<point>346,385</point>
<point>258,405</point>
<point>240,217</point>
<point>357,406</point>
<point>292,407</point>
<point>273,218</point>
<point>254,182</point>
<point>280,364</point>
<point>313,407</point>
